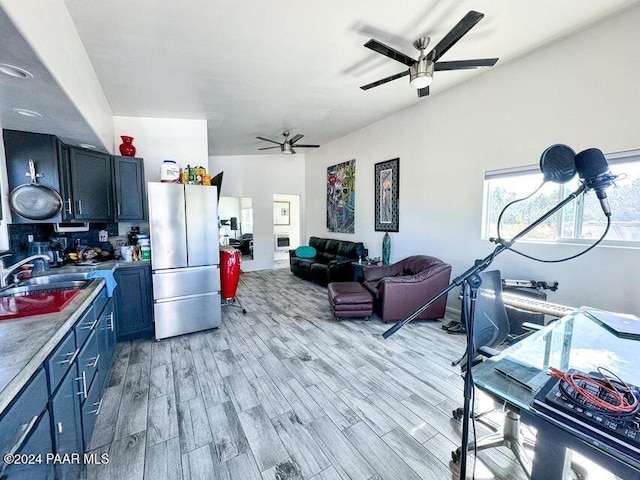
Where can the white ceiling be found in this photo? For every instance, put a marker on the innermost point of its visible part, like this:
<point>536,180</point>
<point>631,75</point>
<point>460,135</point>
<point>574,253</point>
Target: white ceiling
<point>258,68</point>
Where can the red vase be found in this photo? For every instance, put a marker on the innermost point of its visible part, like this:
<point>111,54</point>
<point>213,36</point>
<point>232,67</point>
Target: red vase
<point>126,148</point>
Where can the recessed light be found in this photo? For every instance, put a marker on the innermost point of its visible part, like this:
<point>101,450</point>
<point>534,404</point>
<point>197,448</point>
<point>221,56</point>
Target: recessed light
<point>14,71</point>
<point>27,113</point>
<point>87,145</point>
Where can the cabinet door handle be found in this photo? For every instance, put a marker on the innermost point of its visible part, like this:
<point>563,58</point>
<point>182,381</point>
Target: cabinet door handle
<point>71,356</point>
<point>68,209</point>
<point>59,427</point>
<point>19,442</point>
<point>119,211</point>
<point>79,203</point>
<point>95,361</point>
<point>92,326</point>
<point>83,378</point>
<point>97,410</point>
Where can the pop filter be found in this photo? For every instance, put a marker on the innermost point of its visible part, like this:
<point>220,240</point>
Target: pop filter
<point>557,163</point>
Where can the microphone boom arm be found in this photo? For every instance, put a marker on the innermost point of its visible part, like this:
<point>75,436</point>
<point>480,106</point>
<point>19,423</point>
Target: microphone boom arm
<point>481,265</point>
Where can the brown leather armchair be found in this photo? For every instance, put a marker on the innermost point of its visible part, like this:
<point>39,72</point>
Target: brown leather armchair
<point>400,289</point>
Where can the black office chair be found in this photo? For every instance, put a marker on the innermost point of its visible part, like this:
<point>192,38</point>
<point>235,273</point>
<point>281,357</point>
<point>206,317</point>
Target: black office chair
<point>490,329</point>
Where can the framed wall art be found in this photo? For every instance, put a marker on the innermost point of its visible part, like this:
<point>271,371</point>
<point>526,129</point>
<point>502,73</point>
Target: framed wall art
<point>281,213</point>
<point>387,192</point>
<point>341,197</point>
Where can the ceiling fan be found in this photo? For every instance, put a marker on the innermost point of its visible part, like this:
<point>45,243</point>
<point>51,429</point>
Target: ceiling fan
<point>421,70</point>
<point>286,147</point>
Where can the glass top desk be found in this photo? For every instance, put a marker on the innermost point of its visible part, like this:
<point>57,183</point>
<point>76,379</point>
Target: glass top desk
<point>576,341</point>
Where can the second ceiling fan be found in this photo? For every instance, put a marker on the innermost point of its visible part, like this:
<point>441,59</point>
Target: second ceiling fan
<point>421,70</point>
<point>286,147</point>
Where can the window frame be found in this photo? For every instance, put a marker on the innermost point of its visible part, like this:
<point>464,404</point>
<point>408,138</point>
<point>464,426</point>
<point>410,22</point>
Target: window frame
<point>615,158</point>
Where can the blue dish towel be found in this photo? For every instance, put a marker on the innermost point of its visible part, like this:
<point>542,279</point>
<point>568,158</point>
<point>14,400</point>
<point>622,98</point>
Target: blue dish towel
<point>109,278</point>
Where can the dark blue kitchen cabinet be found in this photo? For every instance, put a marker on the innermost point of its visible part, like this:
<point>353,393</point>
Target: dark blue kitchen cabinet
<point>90,175</point>
<point>128,178</point>
<point>134,303</point>
<point>66,424</point>
<point>44,150</point>
<point>106,341</point>
<point>25,429</point>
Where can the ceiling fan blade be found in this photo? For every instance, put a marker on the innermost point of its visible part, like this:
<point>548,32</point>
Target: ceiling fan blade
<point>293,151</point>
<point>267,140</point>
<point>308,146</point>
<point>466,64</point>
<point>456,33</point>
<point>423,92</point>
<point>385,80</point>
<point>387,51</point>
<point>268,148</point>
<point>295,138</point>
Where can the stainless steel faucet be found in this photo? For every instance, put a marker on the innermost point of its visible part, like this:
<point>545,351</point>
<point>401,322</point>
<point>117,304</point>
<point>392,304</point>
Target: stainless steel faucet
<point>5,272</point>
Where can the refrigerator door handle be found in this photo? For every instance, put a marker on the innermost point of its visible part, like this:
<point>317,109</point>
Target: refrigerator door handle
<point>184,297</point>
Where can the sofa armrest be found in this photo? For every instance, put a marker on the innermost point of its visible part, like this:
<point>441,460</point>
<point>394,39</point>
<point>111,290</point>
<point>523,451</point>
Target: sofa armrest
<point>377,273</point>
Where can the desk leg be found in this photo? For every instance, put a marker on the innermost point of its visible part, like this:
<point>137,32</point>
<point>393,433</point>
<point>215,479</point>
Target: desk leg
<point>551,460</point>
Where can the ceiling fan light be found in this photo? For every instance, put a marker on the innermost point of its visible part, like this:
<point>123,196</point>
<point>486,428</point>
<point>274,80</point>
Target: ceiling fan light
<point>285,148</point>
<point>421,74</point>
<point>421,81</point>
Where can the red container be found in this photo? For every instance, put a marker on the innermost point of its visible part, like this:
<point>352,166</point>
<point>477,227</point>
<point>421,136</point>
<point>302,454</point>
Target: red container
<point>229,272</point>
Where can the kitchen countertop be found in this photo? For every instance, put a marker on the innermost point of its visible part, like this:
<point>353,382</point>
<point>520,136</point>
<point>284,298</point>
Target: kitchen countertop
<point>25,343</point>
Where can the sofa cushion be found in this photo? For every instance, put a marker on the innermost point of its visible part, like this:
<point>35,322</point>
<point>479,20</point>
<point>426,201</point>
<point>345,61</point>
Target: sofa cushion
<point>305,251</point>
<point>332,246</point>
<point>324,257</point>
<point>319,244</point>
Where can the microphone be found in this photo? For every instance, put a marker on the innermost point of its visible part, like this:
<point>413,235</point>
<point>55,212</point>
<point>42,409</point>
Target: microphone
<point>557,163</point>
<point>593,170</point>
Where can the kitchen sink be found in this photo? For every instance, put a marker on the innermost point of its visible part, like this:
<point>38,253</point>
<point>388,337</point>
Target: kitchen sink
<point>21,289</point>
<point>55,278</point>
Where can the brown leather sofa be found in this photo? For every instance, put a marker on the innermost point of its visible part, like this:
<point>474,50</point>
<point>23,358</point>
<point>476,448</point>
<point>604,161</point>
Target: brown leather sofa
<point>400,289</point>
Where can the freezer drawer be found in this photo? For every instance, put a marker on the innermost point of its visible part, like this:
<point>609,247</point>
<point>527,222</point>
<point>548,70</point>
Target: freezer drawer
<point>180,282</point>
<point>186,315</point>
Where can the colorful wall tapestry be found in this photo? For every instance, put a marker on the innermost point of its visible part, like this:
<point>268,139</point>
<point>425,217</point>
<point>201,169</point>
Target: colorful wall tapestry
<point>341,197</point>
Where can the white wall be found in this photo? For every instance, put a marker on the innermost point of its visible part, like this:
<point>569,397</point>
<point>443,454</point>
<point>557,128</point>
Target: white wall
<point>259,177</point>
<point>582,91</point>
<point>48,28</point>
<point>159,139</point>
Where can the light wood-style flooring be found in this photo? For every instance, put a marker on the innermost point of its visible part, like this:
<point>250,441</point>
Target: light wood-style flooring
<point>286,392</point>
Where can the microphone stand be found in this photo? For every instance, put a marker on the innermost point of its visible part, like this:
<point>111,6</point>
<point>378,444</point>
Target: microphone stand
<point>472,278</point>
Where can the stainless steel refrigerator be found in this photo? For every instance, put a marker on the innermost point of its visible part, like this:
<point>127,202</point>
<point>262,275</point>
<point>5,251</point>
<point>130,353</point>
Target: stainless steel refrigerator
<point>185,258</point>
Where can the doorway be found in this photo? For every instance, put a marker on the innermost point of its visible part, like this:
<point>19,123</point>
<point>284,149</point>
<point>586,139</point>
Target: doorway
<point>286,227</point>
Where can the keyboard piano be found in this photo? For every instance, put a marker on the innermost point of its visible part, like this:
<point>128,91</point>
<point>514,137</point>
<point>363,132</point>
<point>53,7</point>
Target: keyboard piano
<point>532,305</point>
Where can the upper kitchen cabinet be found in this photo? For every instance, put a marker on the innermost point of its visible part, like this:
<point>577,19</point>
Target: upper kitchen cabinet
<point>128,176</point>
<point>41,202</point>
<point>90,176</point>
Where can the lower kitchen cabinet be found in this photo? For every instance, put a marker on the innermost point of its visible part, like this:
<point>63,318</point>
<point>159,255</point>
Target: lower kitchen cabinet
<point>25,432</point>
<point>66,424</point>
<point>106,342</point>
<point>56,411</point>
<point>134,303</point>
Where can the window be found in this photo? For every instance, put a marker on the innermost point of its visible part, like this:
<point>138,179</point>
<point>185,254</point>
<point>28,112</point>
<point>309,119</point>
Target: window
<point>580,221</point>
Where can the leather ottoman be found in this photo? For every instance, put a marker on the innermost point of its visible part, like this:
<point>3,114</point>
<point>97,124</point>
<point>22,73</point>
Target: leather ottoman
<point>350,300</point>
